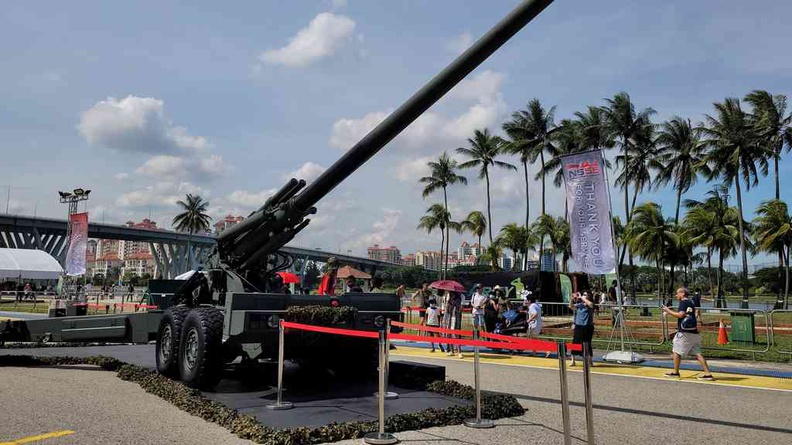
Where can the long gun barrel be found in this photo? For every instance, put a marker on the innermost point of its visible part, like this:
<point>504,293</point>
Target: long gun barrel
<point>419,103</point>
<point>280,218</point>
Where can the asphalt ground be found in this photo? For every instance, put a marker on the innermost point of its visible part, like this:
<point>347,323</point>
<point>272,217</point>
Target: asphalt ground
<point>100,408</point>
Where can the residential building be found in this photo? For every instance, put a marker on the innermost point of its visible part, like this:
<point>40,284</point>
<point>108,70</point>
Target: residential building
<point>464,249</point>
<point>408,260</point>
<point>388,254</point>
<point>548,262</point>
<point>506,262</point>
<point>228,221</point>
<point>429,260</point>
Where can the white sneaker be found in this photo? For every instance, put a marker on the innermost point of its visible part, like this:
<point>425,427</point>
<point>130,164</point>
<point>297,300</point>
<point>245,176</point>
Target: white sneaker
<point>460,355</point>
<point>450,353</point>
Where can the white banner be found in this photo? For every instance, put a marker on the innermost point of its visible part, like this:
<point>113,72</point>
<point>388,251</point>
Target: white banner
<point>589,212</point>
<point>78,243</point>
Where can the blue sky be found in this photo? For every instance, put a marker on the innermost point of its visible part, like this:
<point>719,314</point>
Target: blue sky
<point>143,102</point>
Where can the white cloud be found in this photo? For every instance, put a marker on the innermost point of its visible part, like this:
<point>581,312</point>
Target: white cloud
<point>433,130</point>
<point>249,200</point>
<point>121,176</point>
<point>383,230</point>
<point>460,43</point>
<point>412,169</point>
<point>309,171</point>
<point>323,36</point>
<point>177,167</point>
<point>161,194</point>
<point>135,124</point>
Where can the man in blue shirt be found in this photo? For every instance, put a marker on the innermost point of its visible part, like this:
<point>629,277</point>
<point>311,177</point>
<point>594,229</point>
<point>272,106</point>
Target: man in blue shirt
<point>687,340</point>
<point>584,323</point>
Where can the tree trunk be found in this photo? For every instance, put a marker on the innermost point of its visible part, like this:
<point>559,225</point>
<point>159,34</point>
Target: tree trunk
<point>786,281</point>
<point>489,210</point>
<point>720,301</point>
<point>775,169</point>
<point>743,248</point>
<point>679,201</point>
<point>709,272</point>
<point>541,160</point>
<point>442,243</point>
<point>527,197</point>
<point>448,233</point>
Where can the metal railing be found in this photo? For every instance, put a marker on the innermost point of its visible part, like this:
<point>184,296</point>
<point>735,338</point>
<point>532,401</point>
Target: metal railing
<point>773,327</point>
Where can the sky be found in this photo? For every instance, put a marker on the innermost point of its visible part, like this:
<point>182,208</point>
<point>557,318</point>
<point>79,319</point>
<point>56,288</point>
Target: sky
<point>143,102</point>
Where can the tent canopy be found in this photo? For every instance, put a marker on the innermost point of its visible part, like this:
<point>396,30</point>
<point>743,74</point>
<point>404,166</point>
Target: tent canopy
<point>28,263</point>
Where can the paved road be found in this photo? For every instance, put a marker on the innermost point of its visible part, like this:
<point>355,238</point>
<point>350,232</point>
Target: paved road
<point>629,410</point>
<point>100,408</point>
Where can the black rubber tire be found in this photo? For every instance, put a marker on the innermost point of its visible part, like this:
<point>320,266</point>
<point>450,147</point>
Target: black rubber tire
<point>202,337</point>
<point>170,326</point>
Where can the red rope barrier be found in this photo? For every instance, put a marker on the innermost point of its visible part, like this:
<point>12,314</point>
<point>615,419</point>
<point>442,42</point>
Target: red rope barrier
<point>326,330</point>
<point>420,327</point>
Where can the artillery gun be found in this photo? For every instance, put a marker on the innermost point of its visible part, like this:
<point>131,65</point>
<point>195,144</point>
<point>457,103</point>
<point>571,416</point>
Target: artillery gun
<point>233,307</point>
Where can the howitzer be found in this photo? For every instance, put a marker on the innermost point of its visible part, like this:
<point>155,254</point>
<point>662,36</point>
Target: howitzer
<point>233,307</point>
<point>247,254</point>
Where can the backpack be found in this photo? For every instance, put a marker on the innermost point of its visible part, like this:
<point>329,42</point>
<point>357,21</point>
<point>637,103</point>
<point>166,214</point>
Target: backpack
<point>689,320</point>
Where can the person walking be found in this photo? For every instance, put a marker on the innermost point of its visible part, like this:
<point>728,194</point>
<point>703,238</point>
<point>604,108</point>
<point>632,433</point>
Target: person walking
<point>433,320</point>
<point>687,340</point>
<point>584,324</point>
<point>452,319</point>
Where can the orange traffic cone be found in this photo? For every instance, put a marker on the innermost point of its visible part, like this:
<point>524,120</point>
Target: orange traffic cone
<point>723,339</point>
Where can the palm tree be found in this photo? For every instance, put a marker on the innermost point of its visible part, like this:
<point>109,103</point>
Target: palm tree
<point>650,236</point>
<point>594,131</point>
<point>772,229</point>
<point>624,125</point>
<point>545,226</point>
<point>492,254</point>
<point>773,127</point>
<point>443,174</point>
<point>643,161</point>
<point>476,224</point>
<point>194,218</point>
<point>735,153</point>
<point>483,150</point>
<point>714,225</point>
<point>681,153</point>
<point>519,239</point>
<point>562,241</point>
<point>567,138</point>
<point>436,217</point>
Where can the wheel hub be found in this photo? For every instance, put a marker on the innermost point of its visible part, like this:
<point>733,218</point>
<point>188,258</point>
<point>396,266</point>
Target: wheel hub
<point>166,343</point>
<point>191,349</point>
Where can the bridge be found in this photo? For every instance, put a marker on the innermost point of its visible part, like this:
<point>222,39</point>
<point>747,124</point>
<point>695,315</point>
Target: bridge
<point>174,252</point>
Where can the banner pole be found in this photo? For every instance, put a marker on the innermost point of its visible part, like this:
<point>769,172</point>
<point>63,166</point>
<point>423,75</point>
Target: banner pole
<point>389,395</point>
<point>478,422</point>
<point>564,392</point>
<point>280,405</point>
<point>381,437</point>
<point>587,393</point>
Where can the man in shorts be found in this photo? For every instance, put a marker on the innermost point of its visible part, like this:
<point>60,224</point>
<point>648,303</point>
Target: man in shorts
<point>687,340</point>
<point>478,302</point>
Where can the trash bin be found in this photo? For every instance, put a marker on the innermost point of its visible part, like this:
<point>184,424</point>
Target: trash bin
<point>742,328</point>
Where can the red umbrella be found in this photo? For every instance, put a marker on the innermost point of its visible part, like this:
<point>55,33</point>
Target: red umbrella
<point>448,285</point>
<point>289,277</point>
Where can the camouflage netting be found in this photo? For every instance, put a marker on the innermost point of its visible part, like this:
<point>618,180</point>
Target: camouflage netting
<point>495,406</point>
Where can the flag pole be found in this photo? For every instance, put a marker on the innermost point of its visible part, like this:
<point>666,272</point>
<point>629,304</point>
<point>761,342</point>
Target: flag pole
<point>620,356</point>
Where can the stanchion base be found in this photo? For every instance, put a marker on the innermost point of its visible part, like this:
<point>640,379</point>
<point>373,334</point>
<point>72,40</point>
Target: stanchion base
<point>479,423</point>
<point>280,406</point>
<point>380,439</point>
<point>623,357</point>
<point>388,395</point>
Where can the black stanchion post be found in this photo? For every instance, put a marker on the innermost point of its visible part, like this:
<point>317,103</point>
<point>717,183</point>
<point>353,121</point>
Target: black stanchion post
<point>478,422</point>
<point>280,404</point>
<point>381,437</point>
<point>564,392</point>
<point>587,353</point>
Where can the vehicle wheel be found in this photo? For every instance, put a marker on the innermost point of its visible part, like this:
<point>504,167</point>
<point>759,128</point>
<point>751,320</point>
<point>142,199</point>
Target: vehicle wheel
<point>168,336</point>
<point>200,348</point>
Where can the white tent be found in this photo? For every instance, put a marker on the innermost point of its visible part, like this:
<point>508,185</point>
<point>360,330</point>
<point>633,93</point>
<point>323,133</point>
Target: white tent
<point>28,263</point>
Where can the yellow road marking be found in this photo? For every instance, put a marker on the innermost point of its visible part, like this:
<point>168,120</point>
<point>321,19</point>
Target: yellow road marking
<point>31,439</point>
<point>734,380</point>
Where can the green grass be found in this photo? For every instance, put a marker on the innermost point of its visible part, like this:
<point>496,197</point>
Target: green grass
<point>41,307</point>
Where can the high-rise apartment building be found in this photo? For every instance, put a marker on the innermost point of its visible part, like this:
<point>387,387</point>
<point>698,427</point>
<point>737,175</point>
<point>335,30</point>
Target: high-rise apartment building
<point>388,254</point>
